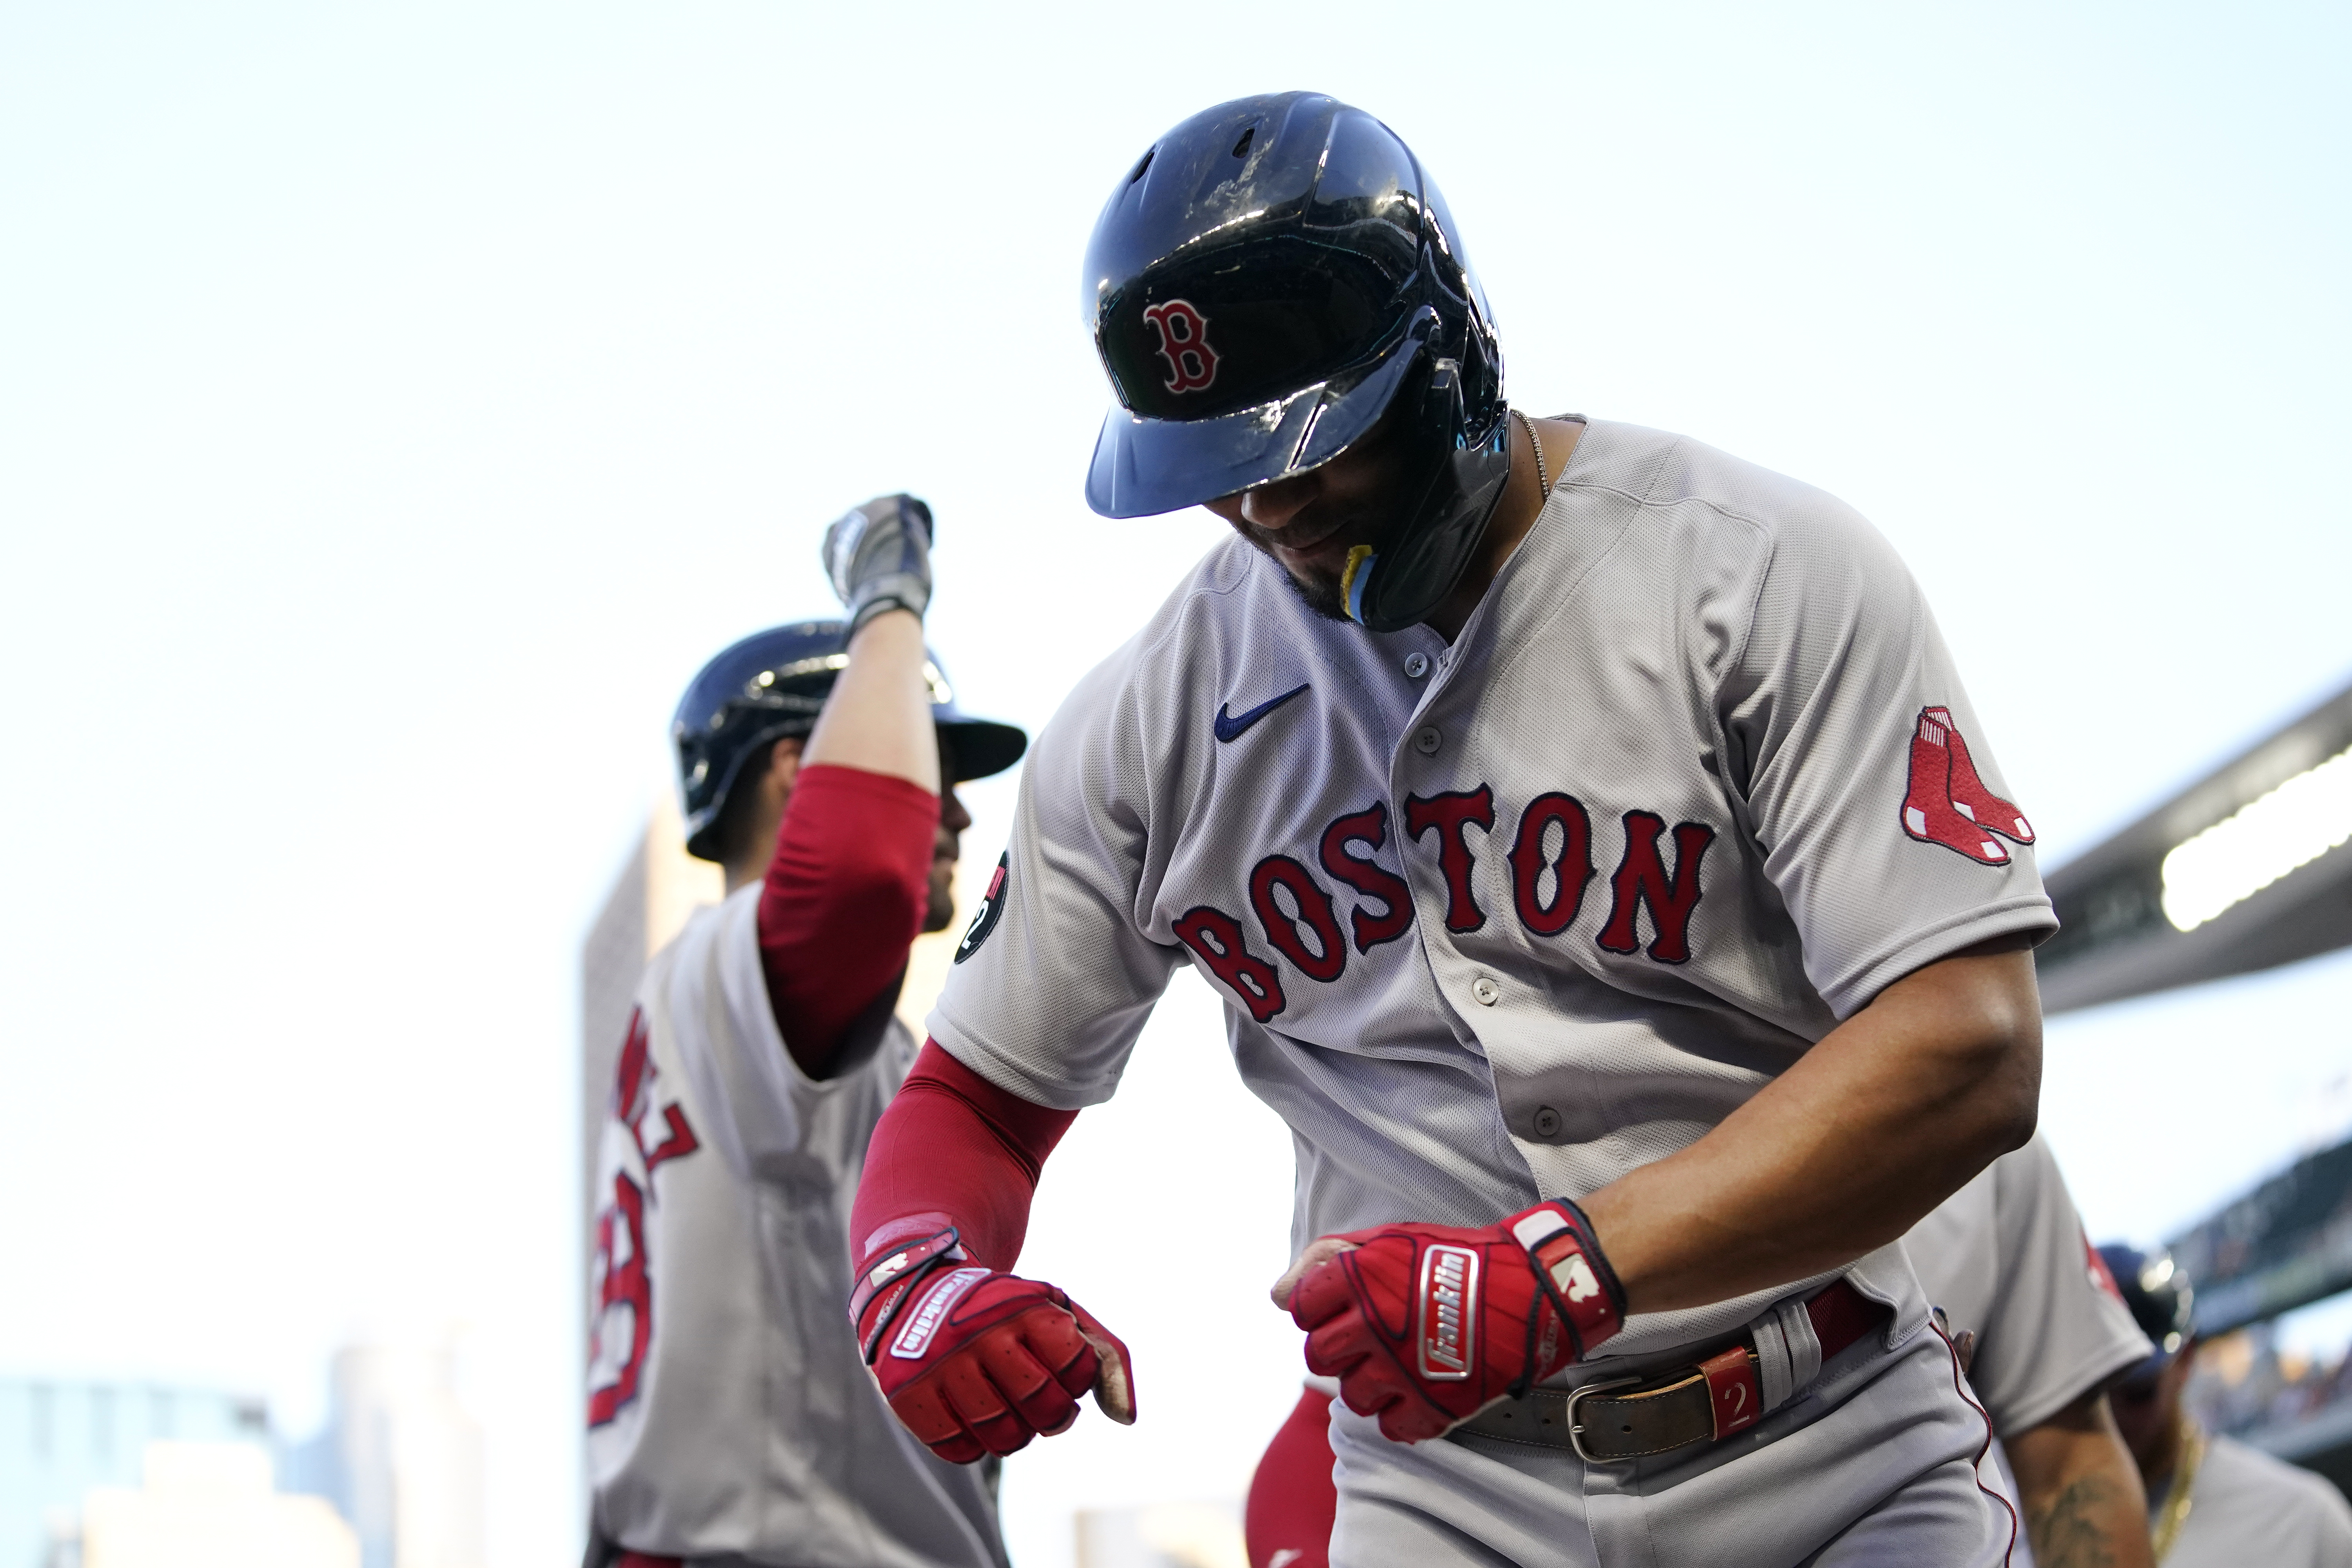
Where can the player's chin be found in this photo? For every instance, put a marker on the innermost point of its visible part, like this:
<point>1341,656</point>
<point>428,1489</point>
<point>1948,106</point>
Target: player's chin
<point>1318,593</point>
<point>940,913</point>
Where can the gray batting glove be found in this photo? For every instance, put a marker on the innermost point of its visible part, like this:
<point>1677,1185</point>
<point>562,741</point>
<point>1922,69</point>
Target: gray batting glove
<point>879,558</point>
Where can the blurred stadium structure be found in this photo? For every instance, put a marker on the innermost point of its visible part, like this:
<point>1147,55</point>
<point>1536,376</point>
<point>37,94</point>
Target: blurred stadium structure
<point>2244,869</point>
<point>2286,1245</point>
<point>2247,868</point>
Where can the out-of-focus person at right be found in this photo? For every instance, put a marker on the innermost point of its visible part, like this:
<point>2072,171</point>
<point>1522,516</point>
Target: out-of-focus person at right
<point>2212,1503</point>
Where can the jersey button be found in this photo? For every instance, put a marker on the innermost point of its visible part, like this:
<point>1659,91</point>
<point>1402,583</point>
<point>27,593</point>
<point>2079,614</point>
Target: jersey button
<point>1416,665</point>
<point>1484,989</point>
<point>1426,739</point>
<point>1547,1122</point>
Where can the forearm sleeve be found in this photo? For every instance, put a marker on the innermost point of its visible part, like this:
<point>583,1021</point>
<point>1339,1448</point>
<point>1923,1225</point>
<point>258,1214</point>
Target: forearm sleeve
<point>954,1147</point>
<point>845,896</point>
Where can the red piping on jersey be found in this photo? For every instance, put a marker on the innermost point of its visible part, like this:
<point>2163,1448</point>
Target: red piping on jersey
<point>844,896</point>
<point>953,1144</point>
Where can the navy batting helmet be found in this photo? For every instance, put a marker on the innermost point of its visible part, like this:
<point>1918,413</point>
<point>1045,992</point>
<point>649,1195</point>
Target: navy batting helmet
<point>1268,280</point>
<point>2161,1299</point>
<point>772,685</point>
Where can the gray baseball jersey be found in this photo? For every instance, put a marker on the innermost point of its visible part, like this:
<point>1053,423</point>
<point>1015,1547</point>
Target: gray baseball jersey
<point>2247,1508</point>
<point>2006,1259</point>
<point>1506,919</point>
<point>729,1413</point>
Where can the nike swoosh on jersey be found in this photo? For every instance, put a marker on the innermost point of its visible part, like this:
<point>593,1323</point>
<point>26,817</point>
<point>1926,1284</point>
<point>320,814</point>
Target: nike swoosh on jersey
<point>1230,725</point>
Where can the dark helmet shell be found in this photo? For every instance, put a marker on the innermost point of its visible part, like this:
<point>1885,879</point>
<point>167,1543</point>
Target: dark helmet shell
<point>1268,279</point>
<point>773,684</point>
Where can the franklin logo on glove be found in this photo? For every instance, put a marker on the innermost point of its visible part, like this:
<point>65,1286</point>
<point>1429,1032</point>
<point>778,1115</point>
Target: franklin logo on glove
<point>1449,1305</point>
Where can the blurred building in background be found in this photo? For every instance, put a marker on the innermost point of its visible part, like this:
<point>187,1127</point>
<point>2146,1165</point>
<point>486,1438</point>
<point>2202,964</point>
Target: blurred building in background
<point>61,1440</point>
<point>401,1458</point>
<point>206,1505</point>
<point>1163,1535</point>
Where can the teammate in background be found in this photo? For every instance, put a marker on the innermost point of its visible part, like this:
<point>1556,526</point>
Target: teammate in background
<point>729,1420</point>
<point>2212,1503</point>
<point>2040,1325</point>
<point>2044,1333</point>
<point>1587,832</point>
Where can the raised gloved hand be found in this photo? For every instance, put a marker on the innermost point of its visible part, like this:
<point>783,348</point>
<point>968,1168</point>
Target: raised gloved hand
<point>978,1362</point>
<point>878,557</point>
<point>1425,1325</point>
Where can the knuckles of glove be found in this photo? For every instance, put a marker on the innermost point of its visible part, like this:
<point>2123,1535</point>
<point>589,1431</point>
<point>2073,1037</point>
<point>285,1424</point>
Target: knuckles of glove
<point>1005,1363</point>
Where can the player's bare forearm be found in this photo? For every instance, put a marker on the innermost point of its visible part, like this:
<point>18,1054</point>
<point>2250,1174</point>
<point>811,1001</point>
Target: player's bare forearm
<point>2084,1506</point>
<point>878,718</point>
<point>1889,1115</point>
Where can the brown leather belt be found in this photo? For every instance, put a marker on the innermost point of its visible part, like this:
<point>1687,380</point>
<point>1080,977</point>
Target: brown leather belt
<point>1702,1403</point>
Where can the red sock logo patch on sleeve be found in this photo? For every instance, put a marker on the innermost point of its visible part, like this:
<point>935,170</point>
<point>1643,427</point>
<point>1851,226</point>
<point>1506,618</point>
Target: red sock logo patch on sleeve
<point>1947,801</point>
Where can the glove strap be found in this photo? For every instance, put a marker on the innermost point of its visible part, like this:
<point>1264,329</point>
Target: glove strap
<point>887,1283</point>
<point>899,590</point>
<point>1570,1270</point>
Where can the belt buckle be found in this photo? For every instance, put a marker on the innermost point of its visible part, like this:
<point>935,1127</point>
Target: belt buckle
<point>1576,1428</point>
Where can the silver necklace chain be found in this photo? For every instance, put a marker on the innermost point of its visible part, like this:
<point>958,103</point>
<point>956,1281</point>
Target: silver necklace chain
<point>1543,481</point>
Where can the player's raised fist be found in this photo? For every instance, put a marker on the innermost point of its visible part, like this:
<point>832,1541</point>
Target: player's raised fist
<point>878,557</point>
<point>977,1361</point>
<point>1425,1325</point>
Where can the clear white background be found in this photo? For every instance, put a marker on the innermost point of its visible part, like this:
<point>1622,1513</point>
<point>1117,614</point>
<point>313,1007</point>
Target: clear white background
<point>398,403</point>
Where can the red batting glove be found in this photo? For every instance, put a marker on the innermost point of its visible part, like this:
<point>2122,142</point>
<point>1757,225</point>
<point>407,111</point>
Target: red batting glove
<point>1425,1325</point>
<point>977,1361</point>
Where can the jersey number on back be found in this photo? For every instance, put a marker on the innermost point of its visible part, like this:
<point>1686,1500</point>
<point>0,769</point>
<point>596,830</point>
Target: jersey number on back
<point>622,1327</point>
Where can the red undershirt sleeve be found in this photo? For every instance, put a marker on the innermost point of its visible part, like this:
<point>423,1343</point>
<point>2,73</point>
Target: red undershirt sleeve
<point>953,1146</point>
<point>844,896</point>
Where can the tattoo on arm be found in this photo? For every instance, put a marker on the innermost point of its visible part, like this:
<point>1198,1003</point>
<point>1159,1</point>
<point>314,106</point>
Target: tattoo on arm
<point>2072,1533</point>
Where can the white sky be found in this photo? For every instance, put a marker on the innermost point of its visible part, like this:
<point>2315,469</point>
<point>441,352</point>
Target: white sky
<point>398,403</point>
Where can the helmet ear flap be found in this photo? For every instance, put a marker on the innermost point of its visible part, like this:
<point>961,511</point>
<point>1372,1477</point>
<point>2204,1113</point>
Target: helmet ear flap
<point>1455,494</point>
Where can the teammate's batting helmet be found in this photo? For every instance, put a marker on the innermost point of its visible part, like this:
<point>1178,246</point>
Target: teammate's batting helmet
<point>2160,1297</point>
<point>1269,278</point>
<point>773,684</point>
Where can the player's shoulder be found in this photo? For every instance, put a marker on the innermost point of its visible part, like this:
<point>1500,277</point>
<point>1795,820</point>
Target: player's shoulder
<point>1658,468</point>
<point>687,952</point>
<point>1712,490</point>
<point>1216,607</point>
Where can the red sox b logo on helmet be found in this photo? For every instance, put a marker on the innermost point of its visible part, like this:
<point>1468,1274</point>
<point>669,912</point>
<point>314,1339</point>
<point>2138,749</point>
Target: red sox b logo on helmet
<point>1183,335</point>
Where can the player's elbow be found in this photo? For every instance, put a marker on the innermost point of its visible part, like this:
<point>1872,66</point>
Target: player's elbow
<point>1974,1022</point>
<point>2001,1040</point>
<point>2012,1094</point>
<point>874,892</point>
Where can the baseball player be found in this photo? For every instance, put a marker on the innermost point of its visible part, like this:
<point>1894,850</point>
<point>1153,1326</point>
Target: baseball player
<point>1588,834</point>
<point>730,1421</point>
<point>2040,1326</point>
<point>2044,1333</point>
<point>2212,1503</point>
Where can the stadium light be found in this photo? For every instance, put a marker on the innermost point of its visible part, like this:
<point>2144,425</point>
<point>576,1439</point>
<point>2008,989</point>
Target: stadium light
<point>2240,855</point>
